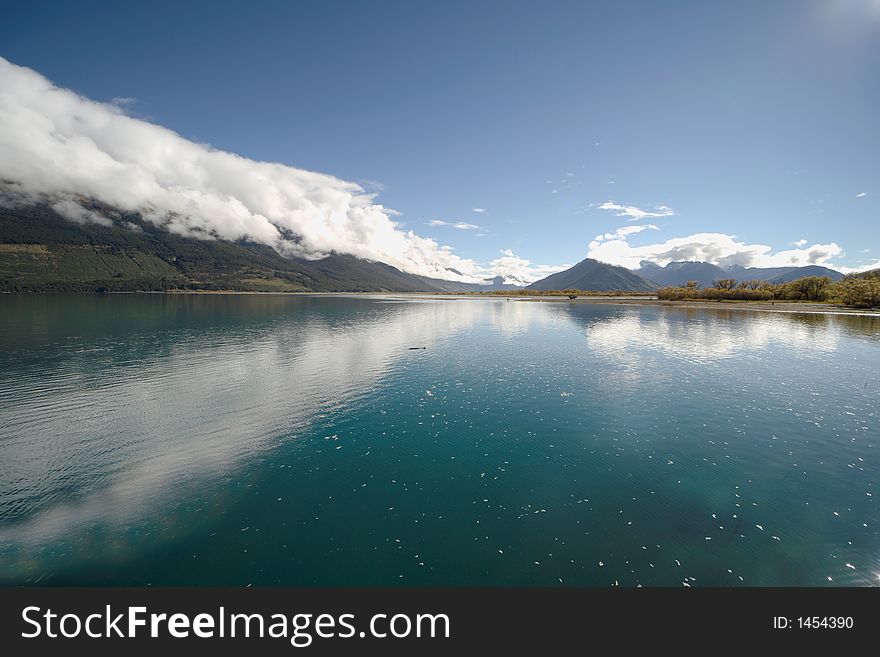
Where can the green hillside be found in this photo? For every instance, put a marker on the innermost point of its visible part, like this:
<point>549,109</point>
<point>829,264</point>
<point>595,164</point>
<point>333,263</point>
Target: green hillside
<point>43,252</point>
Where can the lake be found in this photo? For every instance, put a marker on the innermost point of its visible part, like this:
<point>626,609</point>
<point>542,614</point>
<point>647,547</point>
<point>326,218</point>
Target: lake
<point>299,440</point>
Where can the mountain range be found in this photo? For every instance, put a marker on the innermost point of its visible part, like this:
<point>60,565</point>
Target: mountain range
<point>42,251</point>
<point>677,274</point>
<point>590,274</point>
<point>781,274</point>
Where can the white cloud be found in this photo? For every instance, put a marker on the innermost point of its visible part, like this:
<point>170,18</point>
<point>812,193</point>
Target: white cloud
<point>460,225</point>
<point>624,231</point>
<point>255,379</point>
<point>872,264</point>
<point>123,101</point>
<point>57,144</point>
<point>717,248</point>
<point>861,194</point>
<point>635,213</point>
<point>628,339</point>
<point>520,271</point>
<point>478,210</point>
<point>799,243</point>
<point>70,209</point>
<point>372,186</point>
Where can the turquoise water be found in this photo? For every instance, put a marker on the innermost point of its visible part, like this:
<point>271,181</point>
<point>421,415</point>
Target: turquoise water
<point>276,440</point>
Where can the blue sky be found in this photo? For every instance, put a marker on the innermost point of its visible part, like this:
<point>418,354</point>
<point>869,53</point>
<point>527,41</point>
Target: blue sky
<point>753,119</point>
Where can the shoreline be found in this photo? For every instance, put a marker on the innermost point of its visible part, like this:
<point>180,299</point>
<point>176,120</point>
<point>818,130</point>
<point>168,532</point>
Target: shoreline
<point>794,307</point>
<point>790,307</point>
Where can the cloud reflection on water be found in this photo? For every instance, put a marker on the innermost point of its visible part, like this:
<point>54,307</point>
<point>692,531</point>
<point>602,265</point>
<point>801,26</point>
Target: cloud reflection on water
<point>104,440</point>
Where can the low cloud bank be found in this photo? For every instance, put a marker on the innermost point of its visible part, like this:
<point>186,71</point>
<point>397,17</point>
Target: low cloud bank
<point>521,271</point>
<point>718,248</point>
<point>59,145</point>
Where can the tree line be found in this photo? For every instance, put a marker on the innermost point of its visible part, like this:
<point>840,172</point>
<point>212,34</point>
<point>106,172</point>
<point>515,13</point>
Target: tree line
<point>568,292</point>
<point>861,291</point>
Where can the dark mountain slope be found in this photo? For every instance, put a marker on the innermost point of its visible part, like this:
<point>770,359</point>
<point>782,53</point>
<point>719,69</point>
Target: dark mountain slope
<point>679,273</point>
<point>809,270</point>
<point>42,251</point>
<point>345,273</point>
<point>596,276</point>
<point>781,274</point>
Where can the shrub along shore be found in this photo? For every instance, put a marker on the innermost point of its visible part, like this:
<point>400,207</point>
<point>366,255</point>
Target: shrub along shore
<point>856,291</point>
<point>860,291</point>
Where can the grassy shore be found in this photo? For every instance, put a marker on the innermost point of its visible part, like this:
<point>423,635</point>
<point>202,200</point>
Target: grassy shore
<point>821,307</point>
<point>814,307</point>
<point>762,306</point>
<point>810,307</point>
